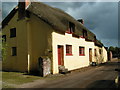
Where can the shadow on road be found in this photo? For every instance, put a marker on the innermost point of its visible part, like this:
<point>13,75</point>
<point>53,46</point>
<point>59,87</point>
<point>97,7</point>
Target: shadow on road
<point>102,84</point>
<point>112,64</point>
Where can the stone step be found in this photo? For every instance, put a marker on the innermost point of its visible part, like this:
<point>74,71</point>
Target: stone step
<point>61,67</point>
<point>63,70</point>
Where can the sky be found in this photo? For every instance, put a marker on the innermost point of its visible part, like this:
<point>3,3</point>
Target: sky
<point>99,17</point>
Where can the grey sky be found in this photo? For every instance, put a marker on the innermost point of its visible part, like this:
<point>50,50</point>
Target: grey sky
<point>100,17</point>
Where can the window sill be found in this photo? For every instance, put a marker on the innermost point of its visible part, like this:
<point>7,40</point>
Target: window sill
<point>81,54</point>
<point>82,37</point>
<point>12,37</point>
<point>69,32</point>
<point>69,54</point>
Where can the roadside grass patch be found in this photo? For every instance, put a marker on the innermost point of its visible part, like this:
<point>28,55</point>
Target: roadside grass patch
<point>11,79</point>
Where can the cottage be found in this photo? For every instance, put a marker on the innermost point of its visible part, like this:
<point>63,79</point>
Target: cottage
<point>33,30</point>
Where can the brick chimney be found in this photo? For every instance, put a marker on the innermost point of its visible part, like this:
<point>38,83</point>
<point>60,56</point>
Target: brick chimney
<point>81,21</point>
<point>22,5</point>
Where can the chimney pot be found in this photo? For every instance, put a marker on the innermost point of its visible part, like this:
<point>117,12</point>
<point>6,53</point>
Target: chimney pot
<point>81,21</point>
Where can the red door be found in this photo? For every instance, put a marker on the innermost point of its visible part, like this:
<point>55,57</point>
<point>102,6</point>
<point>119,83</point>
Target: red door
<point>60,55</point>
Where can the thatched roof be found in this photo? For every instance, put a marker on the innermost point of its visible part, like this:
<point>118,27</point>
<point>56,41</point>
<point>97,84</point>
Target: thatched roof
<point>56,18</point>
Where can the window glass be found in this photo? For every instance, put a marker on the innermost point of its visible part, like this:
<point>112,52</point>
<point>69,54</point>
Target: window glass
<point>3,38</point>
<point>68,49</point>
<point>84,34</point>
<point>81,51</point>
<point>13,32</point>
<point>95,52</point>
<point>14,51</point>
<point>71,28</point>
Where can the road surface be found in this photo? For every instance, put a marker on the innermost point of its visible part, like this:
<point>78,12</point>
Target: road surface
<point>97,77</point>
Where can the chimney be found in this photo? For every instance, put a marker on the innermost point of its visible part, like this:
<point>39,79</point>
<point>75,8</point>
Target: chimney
<point>81,21</point>
<point>22,5</point>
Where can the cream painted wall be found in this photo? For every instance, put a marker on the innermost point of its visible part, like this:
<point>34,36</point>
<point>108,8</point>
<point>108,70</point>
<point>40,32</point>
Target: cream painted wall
<point>100,58</point>
<point>75,61</point>
<point>19,62</point>
<point>105,54</point>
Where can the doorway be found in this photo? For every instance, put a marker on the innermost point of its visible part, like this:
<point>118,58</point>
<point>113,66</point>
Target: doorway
<point>60,55</point>
<point>90,54</point>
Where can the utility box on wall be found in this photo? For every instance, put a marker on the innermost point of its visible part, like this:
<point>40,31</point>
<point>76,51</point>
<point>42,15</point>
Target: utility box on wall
<point>44,66</point>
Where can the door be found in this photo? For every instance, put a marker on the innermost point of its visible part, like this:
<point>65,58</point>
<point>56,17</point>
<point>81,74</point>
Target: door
<point>90,54</point>
<point>60,55</point>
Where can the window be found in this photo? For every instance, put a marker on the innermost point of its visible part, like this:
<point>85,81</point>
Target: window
<point>94,38</point>
<point>81,51</point>
<point>95,52</point>
<point>3,38</point>
<point>13,32</point>
<point>100,51</point>
<point>84,34</point>
<point>68,49</point>
<point>71,28</point>
<point>14,51</point>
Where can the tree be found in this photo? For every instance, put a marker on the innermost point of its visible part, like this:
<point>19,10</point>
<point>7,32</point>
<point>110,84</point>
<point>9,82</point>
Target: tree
<point>115,51</point>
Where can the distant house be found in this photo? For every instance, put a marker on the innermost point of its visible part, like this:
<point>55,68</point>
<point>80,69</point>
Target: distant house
<point>33,30</point>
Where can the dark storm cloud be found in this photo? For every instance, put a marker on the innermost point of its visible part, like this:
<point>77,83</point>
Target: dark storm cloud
<point>64,5</point>
<point>7,7</point>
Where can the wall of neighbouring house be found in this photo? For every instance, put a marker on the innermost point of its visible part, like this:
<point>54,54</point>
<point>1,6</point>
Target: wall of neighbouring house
<point>19,62</point>
<point>75,61</point>
<point>105,55</point>
<point>40,43</point>
<point>100,57</point>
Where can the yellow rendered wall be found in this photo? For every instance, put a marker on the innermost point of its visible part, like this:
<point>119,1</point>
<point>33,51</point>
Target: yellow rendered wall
<point>75,61</point>
<point>40,41</point>
<point>19,62</point>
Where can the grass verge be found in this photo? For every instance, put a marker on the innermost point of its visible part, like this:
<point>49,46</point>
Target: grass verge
<point>13,79</point>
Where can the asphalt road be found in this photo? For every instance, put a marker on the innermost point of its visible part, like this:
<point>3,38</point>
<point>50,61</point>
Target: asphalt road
<point>98,77</point>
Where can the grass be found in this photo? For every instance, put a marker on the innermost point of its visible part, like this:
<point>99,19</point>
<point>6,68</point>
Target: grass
<point>13,79</point>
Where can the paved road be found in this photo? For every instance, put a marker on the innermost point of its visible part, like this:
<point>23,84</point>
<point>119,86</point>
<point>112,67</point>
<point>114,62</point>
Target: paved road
<point>98,77</point>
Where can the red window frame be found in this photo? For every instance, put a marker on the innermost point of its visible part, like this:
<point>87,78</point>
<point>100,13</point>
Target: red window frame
<point>69,50</point>
<point>81,51</point>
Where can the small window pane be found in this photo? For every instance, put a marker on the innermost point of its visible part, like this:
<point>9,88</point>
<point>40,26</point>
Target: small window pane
<point>14,51</point>
<point>71,28</point>
<point>84,34</point>
<point>100,51</point>
<point>69,49</point>
<point>95,52</point>
<point>81,51</point>
<point>3,38</point>
<point>13,32</point>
